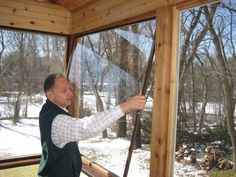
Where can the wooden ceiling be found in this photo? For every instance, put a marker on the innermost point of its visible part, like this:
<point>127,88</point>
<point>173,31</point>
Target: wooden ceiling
<point>81,16</point>
<point>72,5</point>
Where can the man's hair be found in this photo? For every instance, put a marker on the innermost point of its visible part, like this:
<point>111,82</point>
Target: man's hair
<point>50,81</point>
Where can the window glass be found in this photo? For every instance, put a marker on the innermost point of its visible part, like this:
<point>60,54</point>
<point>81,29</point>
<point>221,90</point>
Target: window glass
<point>206,97</point>
<point>25,61</point>
<point>108,68</point>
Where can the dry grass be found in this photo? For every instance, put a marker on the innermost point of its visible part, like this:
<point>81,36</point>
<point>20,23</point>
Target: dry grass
<point>226,173</point>
<point>27,171</point>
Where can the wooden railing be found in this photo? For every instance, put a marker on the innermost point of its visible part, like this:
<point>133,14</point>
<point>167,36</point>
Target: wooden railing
<point>89,168</point>
<point>92,169</point>
<point>19,161</point>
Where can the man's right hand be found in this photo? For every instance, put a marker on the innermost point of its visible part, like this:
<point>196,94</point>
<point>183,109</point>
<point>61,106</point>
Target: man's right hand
<point>134,103</point>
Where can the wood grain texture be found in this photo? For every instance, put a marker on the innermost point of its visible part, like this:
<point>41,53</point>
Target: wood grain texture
<point>163,122</point>
<point>33,15</point>
<point>80,16</point>
<point>102,13</point>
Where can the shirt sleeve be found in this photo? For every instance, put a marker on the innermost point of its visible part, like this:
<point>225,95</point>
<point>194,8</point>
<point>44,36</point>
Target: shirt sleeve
<point>67,129</point>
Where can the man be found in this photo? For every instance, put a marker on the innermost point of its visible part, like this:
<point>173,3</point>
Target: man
<point>60,132</point>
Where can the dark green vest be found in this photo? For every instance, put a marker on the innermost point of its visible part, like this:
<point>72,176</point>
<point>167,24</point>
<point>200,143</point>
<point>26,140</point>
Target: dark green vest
<point>56,162</point>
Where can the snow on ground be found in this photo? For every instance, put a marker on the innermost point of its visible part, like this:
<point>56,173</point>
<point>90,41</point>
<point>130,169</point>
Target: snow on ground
<point>19,140</point>
<point>182,170</point>
<point>111,153</point>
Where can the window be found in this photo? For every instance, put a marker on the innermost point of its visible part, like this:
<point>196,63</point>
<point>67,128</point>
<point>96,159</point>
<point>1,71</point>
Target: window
<point>107,68</point>
<point>25,61</point>
<point>206,99</point>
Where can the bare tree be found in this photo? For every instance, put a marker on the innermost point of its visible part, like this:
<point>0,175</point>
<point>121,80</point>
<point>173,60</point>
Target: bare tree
<point>136,64</point>
<point>4,65</point>
<point>192,37</point>
<point>224,73</point>
<point>122,84</point>
<point>2,47</point>
<point>97,79</point>
<point>19,75</point>
<point>205,96</point>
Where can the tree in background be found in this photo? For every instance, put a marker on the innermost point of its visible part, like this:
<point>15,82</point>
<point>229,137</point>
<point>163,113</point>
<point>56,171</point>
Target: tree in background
<point>224,63</point>
<point>207,71</point>
<point>24,67</point>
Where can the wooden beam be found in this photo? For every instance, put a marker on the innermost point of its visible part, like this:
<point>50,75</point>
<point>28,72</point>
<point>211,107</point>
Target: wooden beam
<point>165,90</point>
<point>73,5</point>
<point>193,3</point>
<point>174,65</point>
<point>102,13</point>
<point>105,12</point>
<point>147,16</point>
<point>33,15</point>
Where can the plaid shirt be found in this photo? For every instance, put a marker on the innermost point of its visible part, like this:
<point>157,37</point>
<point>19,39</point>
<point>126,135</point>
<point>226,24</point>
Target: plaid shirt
<point>66,129</point>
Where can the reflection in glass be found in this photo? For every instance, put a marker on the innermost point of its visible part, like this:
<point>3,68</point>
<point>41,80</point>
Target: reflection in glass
<point>107,68</point>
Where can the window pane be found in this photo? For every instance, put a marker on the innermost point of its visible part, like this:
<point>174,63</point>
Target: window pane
<point>206,110</point>
<point>25,61</point>
<point>108,68</point>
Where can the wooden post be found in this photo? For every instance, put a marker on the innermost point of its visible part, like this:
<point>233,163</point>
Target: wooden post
<point>165,93</point>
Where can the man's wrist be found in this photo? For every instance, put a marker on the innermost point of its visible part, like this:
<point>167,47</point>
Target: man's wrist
<point>125,107</point>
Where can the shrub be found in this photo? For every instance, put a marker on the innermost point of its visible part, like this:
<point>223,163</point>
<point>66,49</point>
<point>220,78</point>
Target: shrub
<point>209,135</point>
<point>146,126</point>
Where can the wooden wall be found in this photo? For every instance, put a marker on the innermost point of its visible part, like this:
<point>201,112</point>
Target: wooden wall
<point>33,15</point>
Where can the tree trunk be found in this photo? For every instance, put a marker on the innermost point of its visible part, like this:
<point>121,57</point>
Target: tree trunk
<point>203,109</point>
<point>137,69</point>
<point>122,92</point>
<point>17,109</point>
<point>204,97</point>
<point>121,123</point>
<point>2,46</point>
<point>194,102</point>
<point>185,63</point>
<point>225,78</point>
<point>100,108</point>
<point>95,86</point>
<point>26,107</point>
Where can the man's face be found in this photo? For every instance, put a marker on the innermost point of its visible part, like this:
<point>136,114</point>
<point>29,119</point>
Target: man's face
<point>61,94</point>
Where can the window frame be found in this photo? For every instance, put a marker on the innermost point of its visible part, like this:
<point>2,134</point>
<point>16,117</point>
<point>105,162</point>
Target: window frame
<point>165,92</point>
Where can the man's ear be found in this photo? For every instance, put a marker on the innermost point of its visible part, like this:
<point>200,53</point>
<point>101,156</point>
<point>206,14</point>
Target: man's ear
<point>49,95</point>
